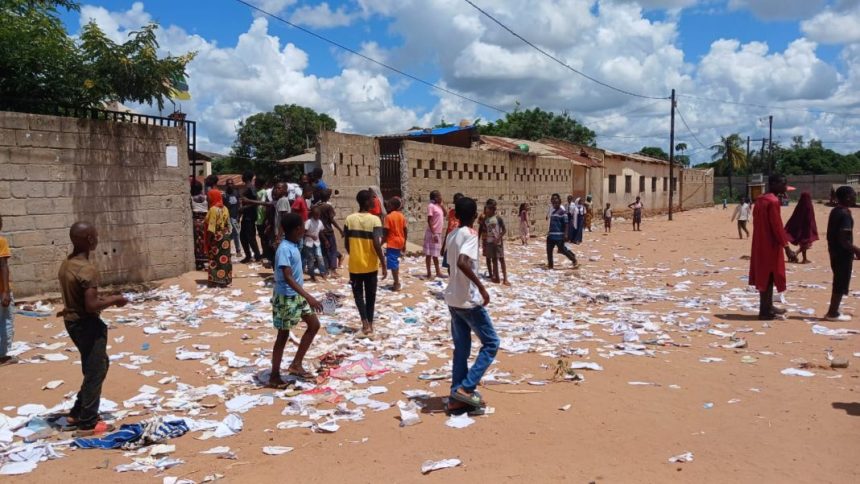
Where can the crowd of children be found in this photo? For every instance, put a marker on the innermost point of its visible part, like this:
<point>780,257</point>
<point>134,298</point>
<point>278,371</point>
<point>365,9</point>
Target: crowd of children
<point>298,237</point>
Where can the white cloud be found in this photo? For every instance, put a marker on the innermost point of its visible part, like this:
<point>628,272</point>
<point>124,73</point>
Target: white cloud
<point>662,4</point>
<point>272,6</point>
<point>610,40</point>
<point>837,25</point>
<point>321,16</point>
<point>778,9</point>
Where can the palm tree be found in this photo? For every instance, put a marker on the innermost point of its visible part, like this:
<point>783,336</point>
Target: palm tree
<point>730,155</point>
<point>682,147</point>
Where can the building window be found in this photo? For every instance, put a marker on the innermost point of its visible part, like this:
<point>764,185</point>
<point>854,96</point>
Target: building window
<point>641,184</point>
<point>628,183</point>
<point>653,183</point>
<point>611,183</point>
<point>665,184</point>
<point>674,184</point>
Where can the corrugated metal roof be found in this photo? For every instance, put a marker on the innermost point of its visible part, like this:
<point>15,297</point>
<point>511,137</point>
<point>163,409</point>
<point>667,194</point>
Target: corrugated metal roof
<point>306,157</point>
<point>637,157</point>
<point>536,148</point>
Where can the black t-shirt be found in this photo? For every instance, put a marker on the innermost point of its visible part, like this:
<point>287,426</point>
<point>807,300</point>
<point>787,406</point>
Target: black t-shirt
<point>840,221</point>
<point>250,211</point>
<point>231,201</point>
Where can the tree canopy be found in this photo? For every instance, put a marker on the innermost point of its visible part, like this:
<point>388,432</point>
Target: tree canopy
<point>654,152</point>
<point>534,124</point>
<point>40,61</point>
<point>799,158</point>
<point>263,138</point>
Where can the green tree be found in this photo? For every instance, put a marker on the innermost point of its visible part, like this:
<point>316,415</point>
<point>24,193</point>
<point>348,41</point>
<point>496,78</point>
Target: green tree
<point>682,159</point>
<point>40,61</point>
<point>534,124</point>
<point>264,138</point>
<point>654,152</point>
<point>730,155</point>
<point>813,159</point>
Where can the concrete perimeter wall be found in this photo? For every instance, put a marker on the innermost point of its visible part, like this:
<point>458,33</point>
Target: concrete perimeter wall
<point>818,185</point>
<point>697,188</point>
<point>55,171</point>
<point>509,178</point>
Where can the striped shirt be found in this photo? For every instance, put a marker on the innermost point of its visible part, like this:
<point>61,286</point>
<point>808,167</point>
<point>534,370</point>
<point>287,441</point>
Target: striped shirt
<point>557,223</point>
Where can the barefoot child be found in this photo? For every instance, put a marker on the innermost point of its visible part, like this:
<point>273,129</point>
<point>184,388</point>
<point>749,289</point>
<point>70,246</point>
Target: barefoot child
<point>291,303</point>
<point>396,233</point>
<point>840,244</point>
<point>79,283</point>
<point>466,298</point>
<point>312,255</point>
<point>7,308</point>
<point>555,237</point>
<point>524,223</point>
<point>433,234</point>
<point>494,246</point>
<point>362,238</point>
<point>607,219</point>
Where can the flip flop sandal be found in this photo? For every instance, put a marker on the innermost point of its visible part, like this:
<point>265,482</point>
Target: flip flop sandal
<point>474,399</point>
<point>99,429</point>
<point>277,386</point>
<point>11,361</point>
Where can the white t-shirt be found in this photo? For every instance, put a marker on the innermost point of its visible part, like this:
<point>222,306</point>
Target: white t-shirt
<point>461,292</point>
<point>744,214</point>
<point>312,232</point>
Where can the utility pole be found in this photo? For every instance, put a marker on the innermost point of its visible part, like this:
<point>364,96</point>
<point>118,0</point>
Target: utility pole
<point>761,153</point>
<point>729,162</point>
<point>672,155</point>
<point>770,147</point>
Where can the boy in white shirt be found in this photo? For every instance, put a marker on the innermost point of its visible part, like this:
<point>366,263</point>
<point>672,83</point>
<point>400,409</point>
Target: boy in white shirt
<point>466,298</point>
<point>312,248</point>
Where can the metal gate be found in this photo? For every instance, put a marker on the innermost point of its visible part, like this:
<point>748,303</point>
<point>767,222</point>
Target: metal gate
<point>390,157</point>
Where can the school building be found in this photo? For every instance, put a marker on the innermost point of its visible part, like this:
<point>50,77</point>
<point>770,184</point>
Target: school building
<point>511,171</point>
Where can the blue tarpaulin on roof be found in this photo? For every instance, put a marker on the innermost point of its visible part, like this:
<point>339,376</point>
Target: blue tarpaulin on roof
<point>439,131</point>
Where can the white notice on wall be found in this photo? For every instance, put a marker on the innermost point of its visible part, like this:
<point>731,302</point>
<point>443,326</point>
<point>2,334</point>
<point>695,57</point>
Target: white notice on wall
<point>172,155</point>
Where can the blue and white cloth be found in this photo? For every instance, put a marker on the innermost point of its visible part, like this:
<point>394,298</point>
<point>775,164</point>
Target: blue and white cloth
<point>135,436</point>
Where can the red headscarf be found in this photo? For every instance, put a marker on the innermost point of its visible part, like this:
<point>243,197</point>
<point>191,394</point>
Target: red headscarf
<point>801,227</point>
<point>215,198</point>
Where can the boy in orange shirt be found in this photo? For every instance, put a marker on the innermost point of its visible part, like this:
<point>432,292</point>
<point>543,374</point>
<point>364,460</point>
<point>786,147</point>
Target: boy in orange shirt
<point>395,239</point>
<point>7,330</point>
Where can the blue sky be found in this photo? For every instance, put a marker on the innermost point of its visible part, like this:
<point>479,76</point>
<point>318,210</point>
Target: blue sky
<point>773,52</point>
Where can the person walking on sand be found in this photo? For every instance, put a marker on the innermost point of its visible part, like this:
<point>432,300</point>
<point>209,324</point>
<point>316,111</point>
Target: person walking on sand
<point>199,208</point>
<point>840,244</point>
<point>467,299</point>
<point>291,304</point>
<point>433,234</point>
<point>524,223</point>
<point>743,213</point>
<point>218,229</point>
<point>79,283</point>
<point>362,234</point>
<point>769,241</point>
<point>579,215</point>
<point>555,237</point>
<point>801,228</point>
<point>453,224</point>
<point>637,207</point>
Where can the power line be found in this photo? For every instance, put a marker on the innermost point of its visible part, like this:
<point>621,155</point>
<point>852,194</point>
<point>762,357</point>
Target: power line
<point>500,24</point>
<point>369,59</point>
<point>766,106</point>
<point>681,115</point>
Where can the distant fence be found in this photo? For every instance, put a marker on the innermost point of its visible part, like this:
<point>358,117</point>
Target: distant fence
<point>818,185</point>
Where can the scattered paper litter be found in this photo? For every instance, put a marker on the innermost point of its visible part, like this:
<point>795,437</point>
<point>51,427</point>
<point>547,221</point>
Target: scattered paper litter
<point>216,450</point>
<point>276,450</point>
<point>53,384</point>
<point>797,372</point>
<point>564,408</point>
<point>459,421</point>
<point>430,465</point>
<point>685,457</point>
<point>408,413</point>
<point>585,365</point>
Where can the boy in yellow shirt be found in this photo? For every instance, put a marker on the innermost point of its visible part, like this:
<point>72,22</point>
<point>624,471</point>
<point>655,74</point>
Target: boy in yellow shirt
<point>7,309</point>
<point>362,237</point>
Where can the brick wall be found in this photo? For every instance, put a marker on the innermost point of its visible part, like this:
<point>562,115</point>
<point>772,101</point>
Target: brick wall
<point>350,163</point>
<point>818,185</point>
<point>55,171</point>
<point>509,178</point>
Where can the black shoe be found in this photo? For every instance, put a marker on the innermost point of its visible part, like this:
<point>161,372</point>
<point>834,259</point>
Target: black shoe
<point>245,260</point>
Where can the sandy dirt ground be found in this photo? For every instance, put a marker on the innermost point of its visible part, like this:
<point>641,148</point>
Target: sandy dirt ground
<point>677,287</point>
